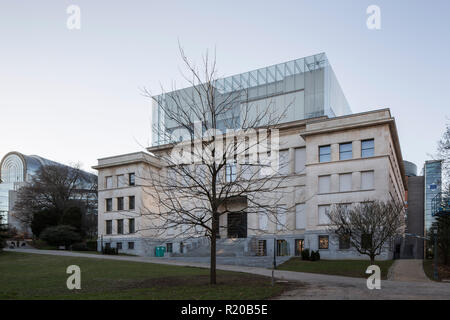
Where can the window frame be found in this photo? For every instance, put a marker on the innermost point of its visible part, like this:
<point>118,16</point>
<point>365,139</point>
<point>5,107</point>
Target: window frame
<point>119,226</point>
<point>108,205</point>
<point>131,230</point>
<point>108,226</point>
<point>328,242</point>
<point>131,179</point>
<point>365,149</point>
<point>120,203</point>
<point>324,154</point>
<point>345,152</point>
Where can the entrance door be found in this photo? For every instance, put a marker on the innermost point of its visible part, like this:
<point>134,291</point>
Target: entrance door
<point>237,225</point>
<point>299,245</point>
<point>282,248</point>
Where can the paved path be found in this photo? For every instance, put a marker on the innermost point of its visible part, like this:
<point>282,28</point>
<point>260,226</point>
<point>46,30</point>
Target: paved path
<point>408,270</point>
<point>314,286</point>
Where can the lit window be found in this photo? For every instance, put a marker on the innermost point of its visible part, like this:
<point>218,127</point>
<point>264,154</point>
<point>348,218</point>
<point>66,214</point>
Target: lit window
<point>325,153</point>
<point>345,151</point>
<point>367,148</point>
<point>323,242</point>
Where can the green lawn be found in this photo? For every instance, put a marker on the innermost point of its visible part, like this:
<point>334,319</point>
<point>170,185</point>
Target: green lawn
<point>350,268</point>
<point>35,276</point>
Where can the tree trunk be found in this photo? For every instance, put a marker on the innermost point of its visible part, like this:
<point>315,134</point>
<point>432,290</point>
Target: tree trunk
<point>212,271</point>
<point>372,259</point>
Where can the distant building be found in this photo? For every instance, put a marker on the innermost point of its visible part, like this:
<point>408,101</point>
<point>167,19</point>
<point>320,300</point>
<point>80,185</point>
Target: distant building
<point>433,180</point>
<point>16,170</point>
<point>413,245</point>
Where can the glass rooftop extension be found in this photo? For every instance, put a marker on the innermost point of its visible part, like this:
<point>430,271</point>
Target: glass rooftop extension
<point>306,87</point>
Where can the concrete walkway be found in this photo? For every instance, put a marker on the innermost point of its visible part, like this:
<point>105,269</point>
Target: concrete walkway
<point>312,286</point>
<point>408,270</point>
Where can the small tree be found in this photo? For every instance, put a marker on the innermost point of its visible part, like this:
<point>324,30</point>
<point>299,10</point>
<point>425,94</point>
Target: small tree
<point>368,226</point>
<point>61,235</point>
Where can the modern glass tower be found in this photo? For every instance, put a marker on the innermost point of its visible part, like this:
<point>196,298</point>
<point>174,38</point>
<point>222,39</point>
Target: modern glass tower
<point>433,180</point>
<point>303,88</point>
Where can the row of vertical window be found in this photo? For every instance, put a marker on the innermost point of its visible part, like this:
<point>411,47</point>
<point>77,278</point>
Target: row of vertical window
<point>121,181</point>
<point>346,150</point>
<point>345,182</point>
<point>120,247</point>
<point>120,203</point>
<point>131,226</point>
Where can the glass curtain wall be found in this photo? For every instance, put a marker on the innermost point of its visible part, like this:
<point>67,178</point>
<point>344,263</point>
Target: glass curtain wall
<point>299,89</point>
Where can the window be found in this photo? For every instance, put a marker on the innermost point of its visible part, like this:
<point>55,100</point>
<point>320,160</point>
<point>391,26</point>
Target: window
<point>120,226</point>
<point>131,227</point>
<point>325,153</point>
<point>281,218</point>
<point>367,180</point>
<point>300,160</point>
<point>121,181</point>
<point>119,245</point>
<point>300,216</point>
<point>131,203</point>
<point>131,179</point>
<point>108,182</point>
<point>108,226</point>
<point>345,151</point>
<point>325,184</point>
<point>284,162</point>
<point>367,148</point>
<point>345,182</point>
<point>230,172</point>
<point>108,204</point>
<point>130,245</point>
<point>323,217</point>
<point>323,242</point>
<point>263,220</point>
<point>344,242</point>
<point>120,203</point>
<point>169,247</point>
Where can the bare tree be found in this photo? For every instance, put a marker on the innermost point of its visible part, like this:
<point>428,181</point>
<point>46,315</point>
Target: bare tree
<point>207,173</point>
<point>443,152</point>
<point>55,188</point>
<point>367,226</point>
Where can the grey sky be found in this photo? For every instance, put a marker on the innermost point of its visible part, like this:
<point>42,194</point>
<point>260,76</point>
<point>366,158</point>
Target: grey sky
<point>74,95</point>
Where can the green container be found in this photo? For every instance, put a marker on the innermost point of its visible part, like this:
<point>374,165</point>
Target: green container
<point>159,251</point>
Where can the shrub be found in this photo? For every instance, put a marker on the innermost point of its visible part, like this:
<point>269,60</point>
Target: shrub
<point>80,247</point>
<point>44,219</point>
<point>109,250</point>
<point>305,254</point>
<point>315,255</point>
<point>61,235</point>
<point>91,245</point>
